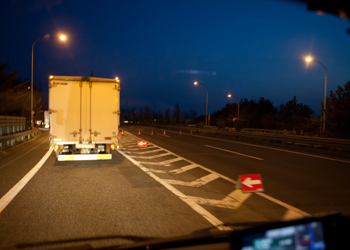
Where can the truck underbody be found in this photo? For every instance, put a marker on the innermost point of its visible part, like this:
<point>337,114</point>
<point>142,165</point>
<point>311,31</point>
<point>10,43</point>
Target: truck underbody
<point>71,152</point>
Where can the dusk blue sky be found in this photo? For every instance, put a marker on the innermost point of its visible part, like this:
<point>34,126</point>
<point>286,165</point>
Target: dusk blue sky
<point>252,48</point>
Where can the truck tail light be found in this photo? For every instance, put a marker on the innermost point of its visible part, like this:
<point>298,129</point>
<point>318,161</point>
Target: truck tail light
<point>56,147</point>
<point>112,146</point>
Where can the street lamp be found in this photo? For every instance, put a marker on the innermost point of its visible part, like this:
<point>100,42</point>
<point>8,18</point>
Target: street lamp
<point>309,59</point>
<point>229,96</point>
<point>206,109</point>
<point>47,36</point>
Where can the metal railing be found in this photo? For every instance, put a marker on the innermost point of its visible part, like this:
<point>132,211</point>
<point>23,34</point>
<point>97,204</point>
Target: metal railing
<point>12,124</point>
<point>11,140</point>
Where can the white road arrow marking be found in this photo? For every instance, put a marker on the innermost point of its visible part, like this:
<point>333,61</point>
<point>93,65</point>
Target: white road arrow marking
<point>141,143</point>
<point>249,182</point>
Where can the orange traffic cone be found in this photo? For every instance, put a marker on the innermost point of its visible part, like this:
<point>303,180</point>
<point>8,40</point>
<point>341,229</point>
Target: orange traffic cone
<point>139,132</point>
<point>191,132</point>
<point>152,132</point>
<point>122,132</point>
<point>164,132</point>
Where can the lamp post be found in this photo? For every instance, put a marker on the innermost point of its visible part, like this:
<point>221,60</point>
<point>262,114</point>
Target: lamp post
<point>206,109</point>
<point>61,37</point>
<point>229,96</point>
<point>309,59</point>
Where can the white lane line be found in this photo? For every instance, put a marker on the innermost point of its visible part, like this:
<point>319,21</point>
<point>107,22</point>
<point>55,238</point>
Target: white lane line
<point>146,149</point>
<point>208,216</point>
<point>163,135</point>
<point>27,152</point>
<point>277,149</point>
<point>164,163</point>
<point>150,157</point>
<point>233,152</point>
<point>184,169</point>
<point>283,204</point>
<point>142,153</point>
<point>8,197</point>
<point>232,201</point>
<point>197,183</point>
<point>132,147</point>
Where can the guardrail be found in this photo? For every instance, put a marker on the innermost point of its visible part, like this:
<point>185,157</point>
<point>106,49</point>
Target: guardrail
<point>316,142</point>
<point>11,140</point>
<point>12,124</point>
<point>269,131</point>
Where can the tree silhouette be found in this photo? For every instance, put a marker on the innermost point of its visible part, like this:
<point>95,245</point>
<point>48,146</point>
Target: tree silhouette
<point>293,115</point>
<point>338,112</point>
<point>15,94</point>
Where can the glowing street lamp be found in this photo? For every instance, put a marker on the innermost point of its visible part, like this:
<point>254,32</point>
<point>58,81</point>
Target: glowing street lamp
<point>47,36</point>
<point>229,96</point>
<point>309,59</point>
<point>206,109</point>
<point>63,37</point>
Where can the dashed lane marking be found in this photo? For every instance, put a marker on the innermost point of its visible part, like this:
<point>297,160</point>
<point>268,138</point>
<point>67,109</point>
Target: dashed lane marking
<point>163,135</point>
<point>276,149</point>
<point>233,152</point>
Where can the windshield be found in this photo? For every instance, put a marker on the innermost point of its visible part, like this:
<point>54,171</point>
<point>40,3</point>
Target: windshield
<point>123,121</point>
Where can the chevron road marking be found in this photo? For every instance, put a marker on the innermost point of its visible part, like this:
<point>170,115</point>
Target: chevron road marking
<point>152,156</point>
<point>197,183</point>
<point>232,201</point>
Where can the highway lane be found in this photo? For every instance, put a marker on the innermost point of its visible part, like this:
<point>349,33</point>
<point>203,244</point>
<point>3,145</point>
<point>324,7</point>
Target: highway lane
<point>172,187</point>
<point>68,200</point>
<point>15,162</point>
<point>312,183</point>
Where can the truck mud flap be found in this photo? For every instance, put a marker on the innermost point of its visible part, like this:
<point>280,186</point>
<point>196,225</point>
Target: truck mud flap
<point>87,157</point>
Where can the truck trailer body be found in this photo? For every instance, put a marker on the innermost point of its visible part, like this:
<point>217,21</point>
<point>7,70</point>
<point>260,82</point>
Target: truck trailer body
<point>84,117</point>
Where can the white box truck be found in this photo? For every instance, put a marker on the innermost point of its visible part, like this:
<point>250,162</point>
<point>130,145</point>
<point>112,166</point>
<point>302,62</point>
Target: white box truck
<point>84,117</point>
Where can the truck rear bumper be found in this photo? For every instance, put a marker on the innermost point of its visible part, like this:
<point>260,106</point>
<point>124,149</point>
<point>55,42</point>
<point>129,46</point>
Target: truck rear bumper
<point>84,157</point>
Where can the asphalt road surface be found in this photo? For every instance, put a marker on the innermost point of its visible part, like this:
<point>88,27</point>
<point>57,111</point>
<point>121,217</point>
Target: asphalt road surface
<point>179,183</point>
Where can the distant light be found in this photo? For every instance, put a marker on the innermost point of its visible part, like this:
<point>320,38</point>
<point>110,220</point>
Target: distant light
<point>63,37</point>
<point>51,77</point>
<point>195,83</point>
<point>117,79</point>
<point>229,95</point>
<point>308,59</point>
